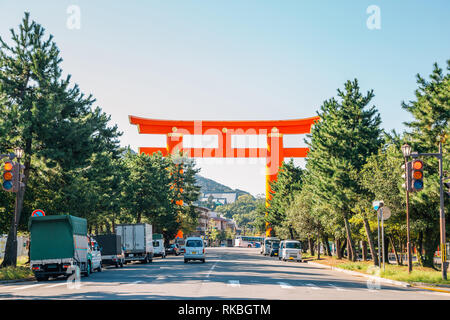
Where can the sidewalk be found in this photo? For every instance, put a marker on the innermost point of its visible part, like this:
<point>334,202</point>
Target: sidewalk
<point>426,286</point>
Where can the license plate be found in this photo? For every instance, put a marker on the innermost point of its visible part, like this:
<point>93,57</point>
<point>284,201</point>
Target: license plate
<point>194,252</point>
<point>276,254</point>
<point>131,255</point>
<point>291,258</point>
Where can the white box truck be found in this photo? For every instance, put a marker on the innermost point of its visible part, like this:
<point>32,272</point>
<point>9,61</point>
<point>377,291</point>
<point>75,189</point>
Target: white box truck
<point>137,241</point>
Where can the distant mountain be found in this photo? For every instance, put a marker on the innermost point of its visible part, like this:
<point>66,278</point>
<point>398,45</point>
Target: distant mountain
<point>211,186</point>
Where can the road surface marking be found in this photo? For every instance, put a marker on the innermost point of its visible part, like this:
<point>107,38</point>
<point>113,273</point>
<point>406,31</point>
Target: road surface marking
<point>285,285</point>
<point>56,285</point>
<point>233,283</point>
<point>210,270</point>
<point>337,288</point>
<point>313,286</point>
<point>132,283</point>
<point>30,286</point>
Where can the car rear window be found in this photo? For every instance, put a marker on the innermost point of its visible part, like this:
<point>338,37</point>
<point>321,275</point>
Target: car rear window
<point>194,243</point>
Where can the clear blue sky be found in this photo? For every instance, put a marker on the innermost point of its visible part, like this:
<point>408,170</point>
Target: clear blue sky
<point>240,59</point>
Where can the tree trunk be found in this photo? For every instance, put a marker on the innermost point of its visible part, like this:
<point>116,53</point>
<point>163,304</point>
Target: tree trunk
<point>342,249</point>
<point>364,250</point>
<point>401,251</point>
<point>318,244</point>
<point>291,232</point>
<point>10,258</point>
<point>311,246</point>
<point>373,253</point>
<point>338,248</point>
<point>352,254</point>
<point>326,244</point>
<point>395,251</point>
<point>386,249</point>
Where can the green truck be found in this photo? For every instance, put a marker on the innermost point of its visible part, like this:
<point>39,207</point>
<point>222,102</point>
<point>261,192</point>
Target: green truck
<point>58,245</point>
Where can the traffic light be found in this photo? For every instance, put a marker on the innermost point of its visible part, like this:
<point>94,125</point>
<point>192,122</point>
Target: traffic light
<point>13,176</point>
<point>407,176</point>
<point>417,175</point>
<point>8,176</point>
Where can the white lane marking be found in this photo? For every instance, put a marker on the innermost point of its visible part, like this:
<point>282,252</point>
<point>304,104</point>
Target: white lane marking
<point>132,283</point>
<point>210,270</point>
<point>56,285</point>
<point>233,283</point>
<point>337,288</point>
<point>313,286</point>
<point>30,286</point>
<point>285,285</point>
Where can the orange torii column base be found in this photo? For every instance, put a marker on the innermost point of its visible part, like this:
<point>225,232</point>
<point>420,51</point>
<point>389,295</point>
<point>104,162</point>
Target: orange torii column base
<point>273,129</point>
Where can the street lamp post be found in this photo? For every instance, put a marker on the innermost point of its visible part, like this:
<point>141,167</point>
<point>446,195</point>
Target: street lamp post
<point>406,150</point>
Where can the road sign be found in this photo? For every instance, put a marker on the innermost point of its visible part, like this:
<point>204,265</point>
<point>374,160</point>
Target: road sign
<point>38,213</point>
<point>385,211</point>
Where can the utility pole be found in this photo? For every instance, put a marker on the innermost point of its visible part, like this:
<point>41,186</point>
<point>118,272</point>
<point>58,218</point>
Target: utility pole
<point>406,150</point>
<point>442,217</point>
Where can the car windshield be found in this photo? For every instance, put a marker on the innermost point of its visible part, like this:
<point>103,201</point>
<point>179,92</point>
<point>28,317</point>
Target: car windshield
<point>172,246</point>
<point>194,243</point>
<point>293,245</point>
<point>275,245</point>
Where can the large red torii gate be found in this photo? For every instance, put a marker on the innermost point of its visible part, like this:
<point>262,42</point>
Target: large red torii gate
<point>273,129</point>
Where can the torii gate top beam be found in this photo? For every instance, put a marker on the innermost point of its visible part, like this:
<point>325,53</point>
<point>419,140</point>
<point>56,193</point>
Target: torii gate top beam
<point>156,126</point>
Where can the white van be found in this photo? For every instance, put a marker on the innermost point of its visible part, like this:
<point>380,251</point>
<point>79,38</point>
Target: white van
<point>195,249</point>
<point>267,245</point>
<point>158,248</point>
<point>290,250</point>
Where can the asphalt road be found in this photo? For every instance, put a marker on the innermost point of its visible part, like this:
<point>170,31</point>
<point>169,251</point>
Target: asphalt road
<point>229,273</point>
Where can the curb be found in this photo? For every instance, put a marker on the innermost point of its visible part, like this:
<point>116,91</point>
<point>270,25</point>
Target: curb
<point>17,280</point>
<point>355,273</point>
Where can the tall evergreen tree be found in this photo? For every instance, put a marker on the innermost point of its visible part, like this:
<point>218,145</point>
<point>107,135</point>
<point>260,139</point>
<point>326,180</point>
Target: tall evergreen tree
<point>431,124</point>
<point>53,122</point>
<point>340,143</point>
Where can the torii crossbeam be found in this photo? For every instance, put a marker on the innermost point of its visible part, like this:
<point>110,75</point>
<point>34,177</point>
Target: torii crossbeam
<point>273,129</point>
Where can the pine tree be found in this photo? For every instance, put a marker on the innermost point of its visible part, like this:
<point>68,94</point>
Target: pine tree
<point>431,112</point>
<point>51,120</point>
<point>340,143</point>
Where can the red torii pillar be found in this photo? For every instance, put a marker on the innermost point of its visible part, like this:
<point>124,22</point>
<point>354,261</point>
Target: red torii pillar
<point>274,129</point>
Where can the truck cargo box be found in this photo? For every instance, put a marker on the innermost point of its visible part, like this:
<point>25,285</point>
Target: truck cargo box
<point>111,244</point>
<point>58,238</point>
<point>137,241</point>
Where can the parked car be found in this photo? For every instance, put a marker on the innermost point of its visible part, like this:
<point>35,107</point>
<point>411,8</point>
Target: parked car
<point>111,249</point>
<point>290,250</point>
<point>274,249</point>
<point>72,248</point>
<point>195,249</point>
<point>96,254</point>
<point>173,249</point>
<point>267,245</point>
